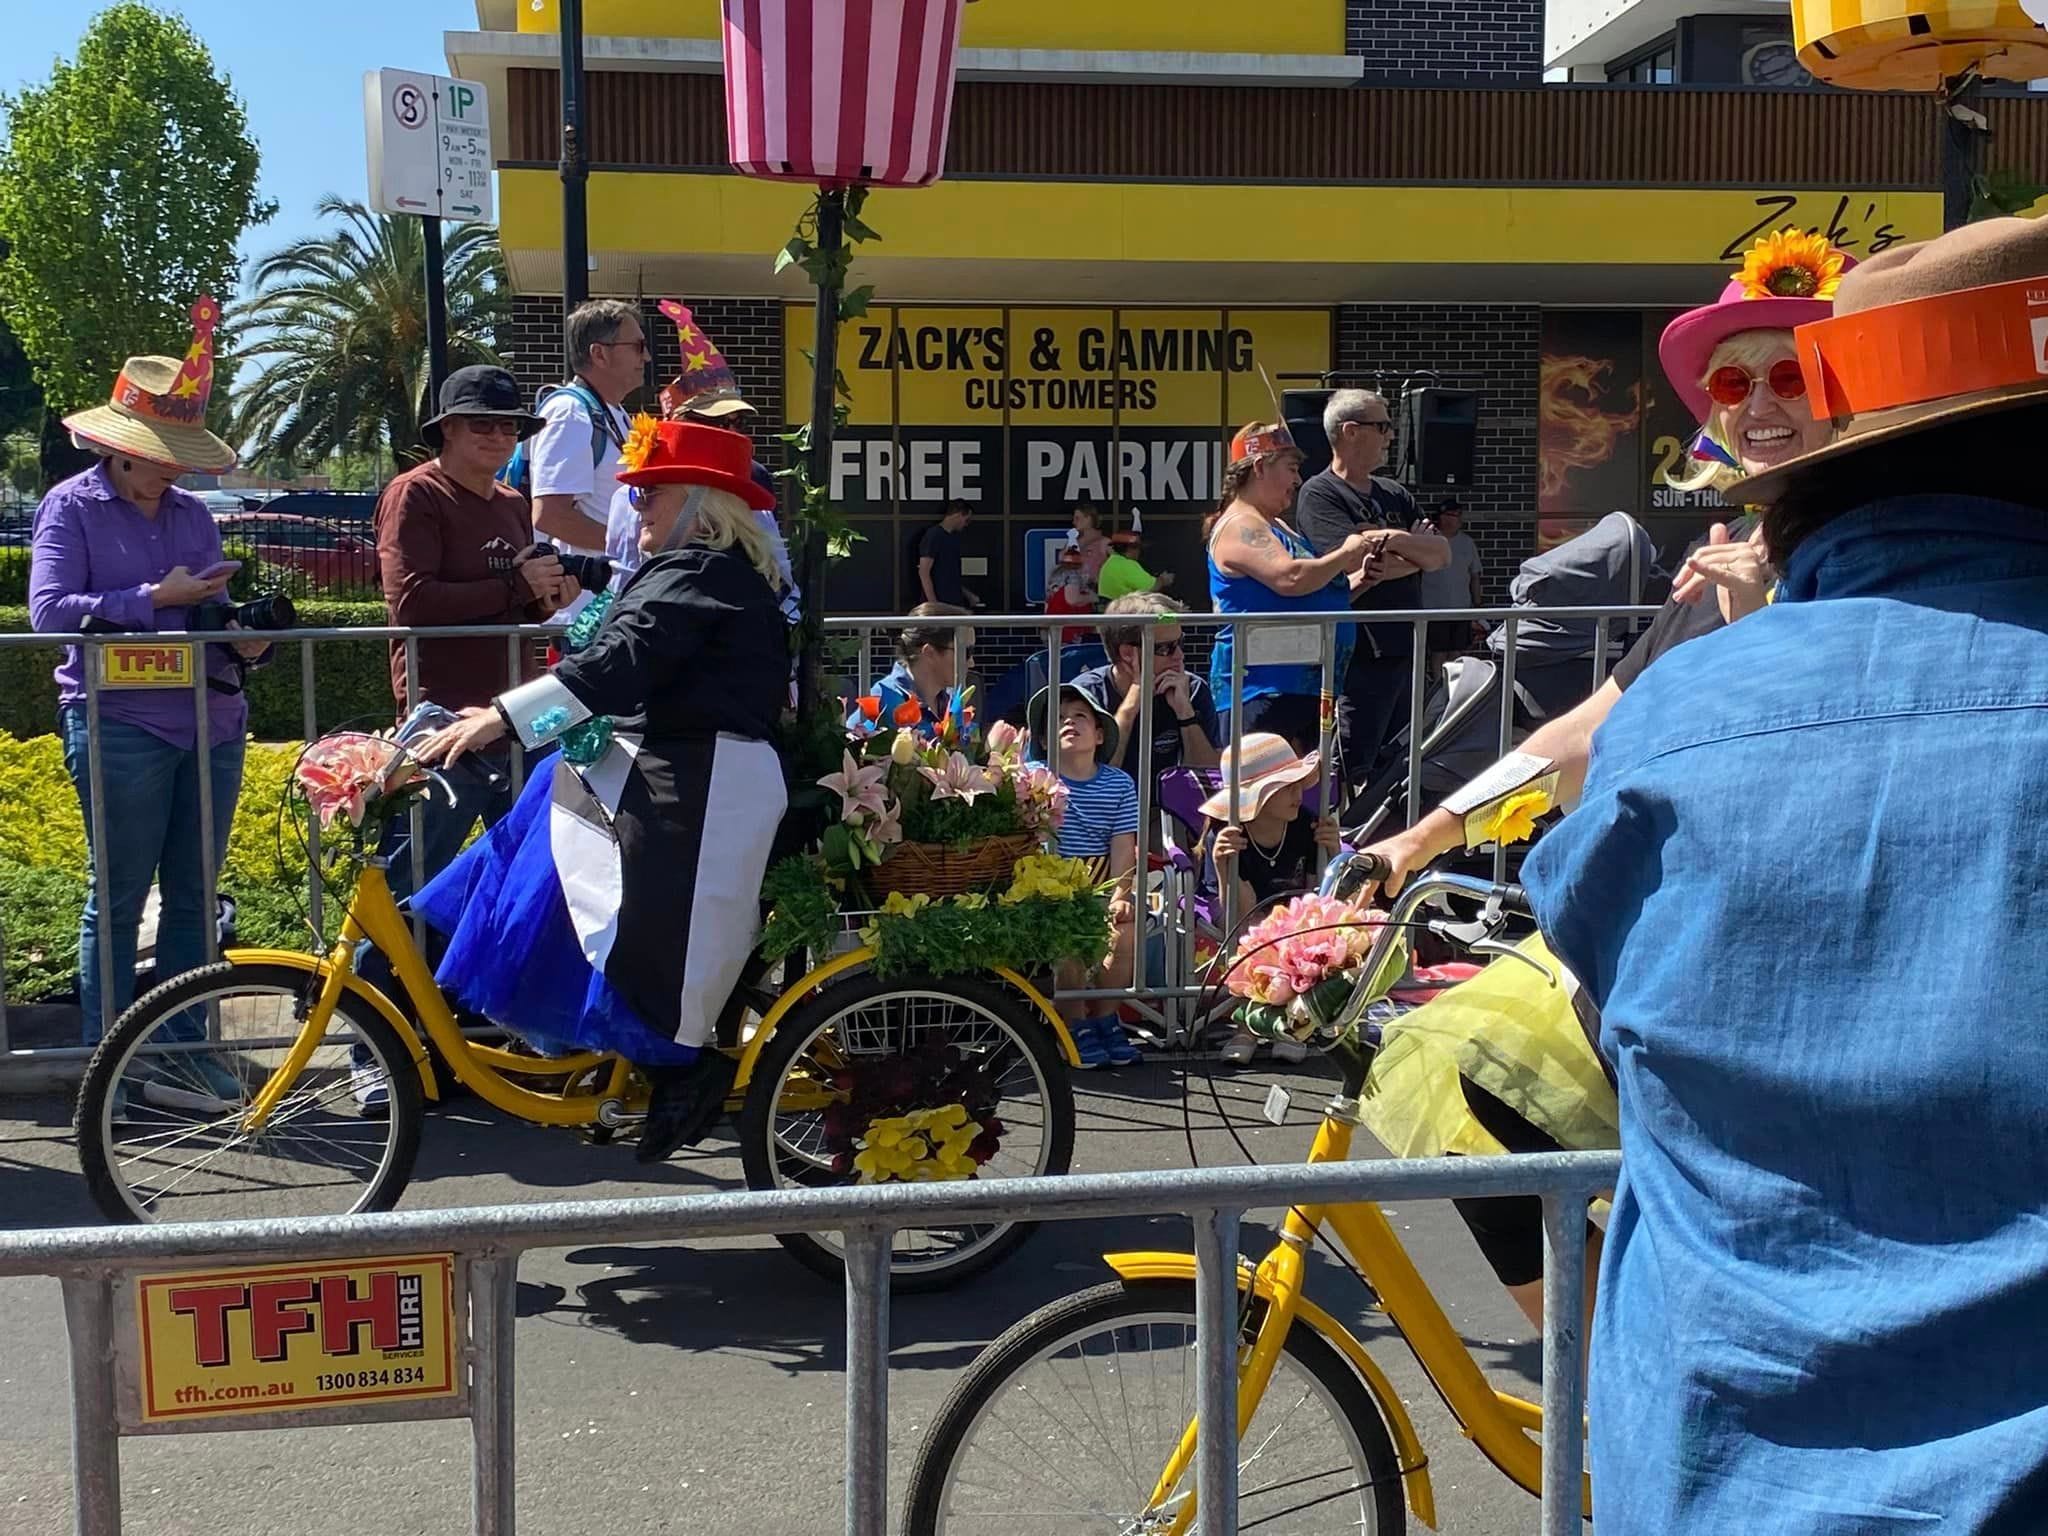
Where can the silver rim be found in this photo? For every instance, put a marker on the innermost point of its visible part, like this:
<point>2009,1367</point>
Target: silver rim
<point>1076,1437</point>
<point>891,1022</point>
<point>181,1154</point>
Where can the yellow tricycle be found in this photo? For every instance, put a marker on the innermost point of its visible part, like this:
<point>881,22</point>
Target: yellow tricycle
<point>228,1092</point>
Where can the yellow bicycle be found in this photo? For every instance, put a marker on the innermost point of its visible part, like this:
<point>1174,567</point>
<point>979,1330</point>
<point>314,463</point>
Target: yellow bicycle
<point>229,1091</point>
<point>1081,1417</point>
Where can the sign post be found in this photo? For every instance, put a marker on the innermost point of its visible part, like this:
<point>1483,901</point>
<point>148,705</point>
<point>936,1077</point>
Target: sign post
<point>429,140</point>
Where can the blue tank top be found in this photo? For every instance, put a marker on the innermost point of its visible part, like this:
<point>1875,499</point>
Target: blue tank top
<point>1247,594</point>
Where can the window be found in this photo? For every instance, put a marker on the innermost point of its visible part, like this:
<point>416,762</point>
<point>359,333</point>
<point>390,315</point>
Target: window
<point>1654,65</point>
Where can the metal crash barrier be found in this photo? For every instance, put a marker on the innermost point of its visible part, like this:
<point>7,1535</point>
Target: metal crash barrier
<point>1165,994</point>
<point>152,1351</point>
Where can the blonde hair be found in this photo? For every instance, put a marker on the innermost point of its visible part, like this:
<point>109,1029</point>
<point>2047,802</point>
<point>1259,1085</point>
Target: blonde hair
<point>720,520</point>
<point>1754,350</point>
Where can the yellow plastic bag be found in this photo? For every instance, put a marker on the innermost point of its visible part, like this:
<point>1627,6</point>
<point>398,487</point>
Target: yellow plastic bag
<point>1513,1032</point>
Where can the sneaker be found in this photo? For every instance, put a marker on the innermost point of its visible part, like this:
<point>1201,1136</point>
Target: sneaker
<point>1088,1045</point>
<point>1239,1049</point>
<point>372,1090</point>
<point>195,1082</point>
<point>1290,1050</point>
<point>1116,1045</point>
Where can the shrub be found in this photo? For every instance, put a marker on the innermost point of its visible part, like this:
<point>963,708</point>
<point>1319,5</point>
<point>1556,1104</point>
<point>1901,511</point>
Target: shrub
<point>14,561</point>
<point>42,863</point>
<point>352,678</point>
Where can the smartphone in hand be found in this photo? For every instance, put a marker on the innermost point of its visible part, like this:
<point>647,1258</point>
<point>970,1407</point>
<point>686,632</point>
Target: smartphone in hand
<point>220,570</point>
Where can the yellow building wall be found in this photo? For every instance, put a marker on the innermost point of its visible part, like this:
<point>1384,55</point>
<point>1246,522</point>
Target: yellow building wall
<point>656,213</point>
<point>1196,26</point>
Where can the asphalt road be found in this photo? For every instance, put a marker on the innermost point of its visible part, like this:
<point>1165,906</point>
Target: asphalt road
<point>697,1388</point>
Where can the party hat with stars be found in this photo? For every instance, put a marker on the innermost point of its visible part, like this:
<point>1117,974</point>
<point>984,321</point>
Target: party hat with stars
<point>158,410</point>
<point>706,386</point>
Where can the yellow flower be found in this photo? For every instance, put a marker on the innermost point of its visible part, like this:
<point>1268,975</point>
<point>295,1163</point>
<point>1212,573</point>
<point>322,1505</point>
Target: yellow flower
<point>974,901</point>
<point>1050,876</point>
<point>639,442</point>
<point>1515,817</point>
<point>903,750</point>
<point>918,1148</point>
<point>1791,265</point>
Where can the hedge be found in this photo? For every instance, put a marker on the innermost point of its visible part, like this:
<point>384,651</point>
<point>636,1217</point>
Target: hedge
<point>352,678</point>
<point>43,869</point>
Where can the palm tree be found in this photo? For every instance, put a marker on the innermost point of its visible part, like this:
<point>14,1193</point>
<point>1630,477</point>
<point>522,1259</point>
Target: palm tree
<point>337,333</point>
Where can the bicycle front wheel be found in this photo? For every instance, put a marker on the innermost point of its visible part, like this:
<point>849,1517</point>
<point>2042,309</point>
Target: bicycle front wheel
<point>1067,1421</point>
<point>162,1121</point>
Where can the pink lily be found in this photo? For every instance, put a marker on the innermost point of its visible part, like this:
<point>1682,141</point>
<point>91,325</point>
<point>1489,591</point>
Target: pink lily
<point>958,779</point>
<point>858,785</point>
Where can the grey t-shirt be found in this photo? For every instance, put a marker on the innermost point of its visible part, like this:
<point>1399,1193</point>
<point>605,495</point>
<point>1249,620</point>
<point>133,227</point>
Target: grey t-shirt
<point>1451,587</point>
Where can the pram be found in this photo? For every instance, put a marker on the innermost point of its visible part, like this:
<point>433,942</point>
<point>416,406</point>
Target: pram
<point>1556,666</point>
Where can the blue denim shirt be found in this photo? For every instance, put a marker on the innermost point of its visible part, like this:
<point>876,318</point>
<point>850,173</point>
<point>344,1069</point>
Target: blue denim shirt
<point>1808,887</point>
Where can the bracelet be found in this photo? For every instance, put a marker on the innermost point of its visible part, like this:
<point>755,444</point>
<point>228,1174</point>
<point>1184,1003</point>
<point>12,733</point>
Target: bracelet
<point>1184,721</point>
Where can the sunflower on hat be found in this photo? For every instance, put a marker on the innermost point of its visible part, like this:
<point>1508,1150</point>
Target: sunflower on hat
<point>1792,265</point>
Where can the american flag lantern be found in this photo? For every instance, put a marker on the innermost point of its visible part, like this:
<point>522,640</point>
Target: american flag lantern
<point>840,92</point>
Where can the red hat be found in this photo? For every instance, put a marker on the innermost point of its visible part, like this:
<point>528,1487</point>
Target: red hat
<point>1259,441</point>
<point>1787,280</point>
<point>689,453</point>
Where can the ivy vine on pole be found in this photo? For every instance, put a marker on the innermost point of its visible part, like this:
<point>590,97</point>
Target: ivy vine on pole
<point>815,508</point>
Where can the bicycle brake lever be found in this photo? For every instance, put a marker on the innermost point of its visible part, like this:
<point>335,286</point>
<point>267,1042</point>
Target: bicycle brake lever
<point>1502,947</point>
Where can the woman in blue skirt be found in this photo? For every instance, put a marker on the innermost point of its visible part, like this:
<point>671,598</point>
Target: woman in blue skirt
<point>615,908</point>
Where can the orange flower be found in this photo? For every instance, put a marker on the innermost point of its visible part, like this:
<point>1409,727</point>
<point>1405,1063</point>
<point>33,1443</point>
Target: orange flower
<point>639,442</point>
<point>909,712</point>
<point>871,708</point>
<point>1791,265</point>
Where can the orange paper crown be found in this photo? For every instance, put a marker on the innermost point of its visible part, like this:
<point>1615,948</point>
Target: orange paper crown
<point>1924,350</point>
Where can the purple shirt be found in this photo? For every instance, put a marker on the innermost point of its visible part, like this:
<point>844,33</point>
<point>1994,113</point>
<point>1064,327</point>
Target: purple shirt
<point>96,556</point>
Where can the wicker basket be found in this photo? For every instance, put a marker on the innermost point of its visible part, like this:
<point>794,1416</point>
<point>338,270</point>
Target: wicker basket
<point>936,869</point>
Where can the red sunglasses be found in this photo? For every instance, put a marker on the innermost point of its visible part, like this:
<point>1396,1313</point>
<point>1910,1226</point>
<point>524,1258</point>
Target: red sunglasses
<point>1733,383</point>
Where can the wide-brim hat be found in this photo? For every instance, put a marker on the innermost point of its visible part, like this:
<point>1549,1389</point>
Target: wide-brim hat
<point>690,453</point>
<point>1267,764</point>
<point>135,421</point>
<point>1045,744</point>
<point>1923,336</point>
<point>480,390</point>
<point>1763,296</point>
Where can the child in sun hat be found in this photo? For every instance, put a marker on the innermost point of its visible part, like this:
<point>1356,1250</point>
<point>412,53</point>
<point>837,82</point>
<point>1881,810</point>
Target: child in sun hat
<point>1078,738</point>
<point>1272,849</point>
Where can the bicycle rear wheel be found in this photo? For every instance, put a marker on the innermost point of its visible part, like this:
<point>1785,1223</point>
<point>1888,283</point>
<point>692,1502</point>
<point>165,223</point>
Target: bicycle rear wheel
<point>1066,1422</point>
<point>160,1120</point>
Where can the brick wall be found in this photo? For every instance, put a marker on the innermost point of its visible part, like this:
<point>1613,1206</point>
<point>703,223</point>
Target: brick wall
<point>1494,348</point>
<point>1446,39</point>
<point>748,332</point>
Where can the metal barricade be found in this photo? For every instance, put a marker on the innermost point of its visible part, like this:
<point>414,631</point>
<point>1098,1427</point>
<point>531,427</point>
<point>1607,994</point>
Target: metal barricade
<point>1168,999</point>
<point>102,1269</point>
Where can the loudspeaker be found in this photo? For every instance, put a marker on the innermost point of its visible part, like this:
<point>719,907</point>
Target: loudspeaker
<point>1302,411</point>
<point>1439,435</point>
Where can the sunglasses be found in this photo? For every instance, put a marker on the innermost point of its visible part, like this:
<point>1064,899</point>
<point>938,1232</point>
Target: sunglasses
<point>1732,383</point>
<point>1378,426</point>
<point>493,426</point>
<point>1166,648</point>
<point>638,344</point>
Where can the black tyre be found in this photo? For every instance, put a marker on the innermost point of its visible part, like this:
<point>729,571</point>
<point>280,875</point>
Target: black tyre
<point>783,1141</point>
<point>184,1062</point>
<point>1019,1446</point>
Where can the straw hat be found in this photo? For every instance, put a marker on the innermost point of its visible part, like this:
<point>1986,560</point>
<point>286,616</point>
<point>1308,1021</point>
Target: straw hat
<point>159,407</point>
<point>1268,765</point>
<point>1924,336</point>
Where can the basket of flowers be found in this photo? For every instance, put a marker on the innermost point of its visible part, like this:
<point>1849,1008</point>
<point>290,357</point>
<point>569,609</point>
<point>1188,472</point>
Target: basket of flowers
<point>1296,969</point>
<point>359,781</point>
<point>917,1117</point>
<point>938,814</point>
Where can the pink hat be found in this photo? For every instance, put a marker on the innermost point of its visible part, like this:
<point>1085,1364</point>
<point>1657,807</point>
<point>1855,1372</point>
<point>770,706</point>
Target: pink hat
<point>1787,280</point>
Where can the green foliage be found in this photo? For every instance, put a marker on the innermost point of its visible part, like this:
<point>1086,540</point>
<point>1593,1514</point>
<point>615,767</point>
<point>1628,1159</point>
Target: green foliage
<point>339,323</point>
<point>43,864</point>
<point>352,678</point>
<point>125,185</point>
<point>942,937</point>
<point>21,403</point>
<point>2002,193</point>
<point>955,823</point>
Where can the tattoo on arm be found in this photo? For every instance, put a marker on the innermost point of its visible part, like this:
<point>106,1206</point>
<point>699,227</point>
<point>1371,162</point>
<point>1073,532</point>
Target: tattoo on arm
<point>1254,535</point>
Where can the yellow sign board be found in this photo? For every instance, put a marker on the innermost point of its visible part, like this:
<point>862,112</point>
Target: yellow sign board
<point>285,1338</point>
<point>146,664</point>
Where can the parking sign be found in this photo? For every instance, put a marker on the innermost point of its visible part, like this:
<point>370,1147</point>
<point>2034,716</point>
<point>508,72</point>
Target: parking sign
<point>429,139</point>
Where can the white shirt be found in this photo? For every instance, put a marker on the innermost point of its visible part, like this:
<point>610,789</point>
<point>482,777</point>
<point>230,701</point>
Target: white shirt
<point>622,543</point>
<point>1451,587</point>
<point>560,454</point>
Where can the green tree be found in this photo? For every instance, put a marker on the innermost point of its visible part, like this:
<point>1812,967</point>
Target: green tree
<point>125,185</point>
<point>337,332</point>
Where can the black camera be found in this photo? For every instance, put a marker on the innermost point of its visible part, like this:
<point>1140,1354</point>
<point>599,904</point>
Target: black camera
<point>272,611</point>
<point>593,573</point>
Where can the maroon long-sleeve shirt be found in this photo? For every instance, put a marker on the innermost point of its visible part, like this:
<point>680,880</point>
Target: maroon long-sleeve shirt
<point>445,554</point>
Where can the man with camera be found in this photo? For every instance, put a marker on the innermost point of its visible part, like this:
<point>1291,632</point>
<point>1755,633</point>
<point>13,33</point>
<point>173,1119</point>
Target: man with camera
<point>121,547</point>
<point>454,547</point>
<point>575,454</point>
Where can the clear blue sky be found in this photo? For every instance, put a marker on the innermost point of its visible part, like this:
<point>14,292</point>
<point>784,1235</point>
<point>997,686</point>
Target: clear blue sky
<point>297,65</point>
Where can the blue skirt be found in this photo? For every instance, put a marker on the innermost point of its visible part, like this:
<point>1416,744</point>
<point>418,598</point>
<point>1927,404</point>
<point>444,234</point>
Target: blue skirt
<point>513,953</point>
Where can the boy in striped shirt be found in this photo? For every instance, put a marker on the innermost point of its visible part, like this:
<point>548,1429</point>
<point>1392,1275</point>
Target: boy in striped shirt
<point>1101,826</point>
